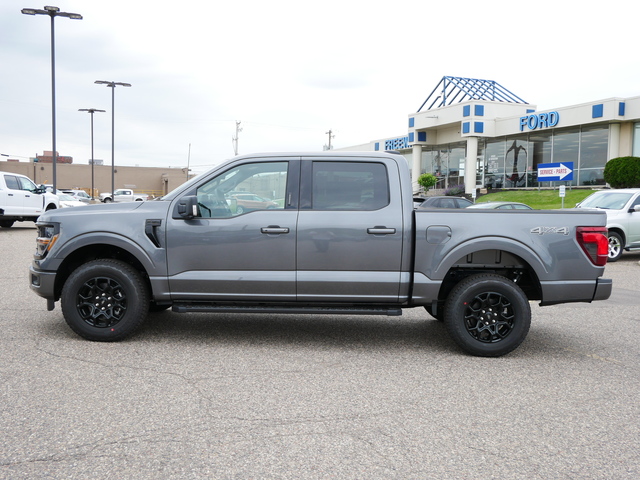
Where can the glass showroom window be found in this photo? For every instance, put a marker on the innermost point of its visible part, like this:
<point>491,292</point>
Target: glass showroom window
<point>594,143</point>
<point>566,147</point>
<point>494,163</point>
<point>540,151</point>
<point>636,140</point>
<point>516,161</point>
<point>457,159</point>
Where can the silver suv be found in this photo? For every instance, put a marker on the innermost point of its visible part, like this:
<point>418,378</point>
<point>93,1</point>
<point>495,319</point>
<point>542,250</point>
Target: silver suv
<point>623,217</point>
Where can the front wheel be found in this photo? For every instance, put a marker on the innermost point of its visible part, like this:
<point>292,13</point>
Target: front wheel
<point>487,315</point>
<point>615,246</point>
<point>6,223</point>
<point>105,300</point>
<point>108,200</point>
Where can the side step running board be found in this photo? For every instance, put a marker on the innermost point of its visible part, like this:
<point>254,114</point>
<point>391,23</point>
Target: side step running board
<point>221,308</point>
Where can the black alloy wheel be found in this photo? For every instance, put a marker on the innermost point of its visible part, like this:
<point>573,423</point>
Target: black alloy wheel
<point>105,300</point>
<point>487,315</point>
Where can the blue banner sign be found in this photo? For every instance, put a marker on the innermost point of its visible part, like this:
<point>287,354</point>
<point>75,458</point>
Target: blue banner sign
<point>555,172</point>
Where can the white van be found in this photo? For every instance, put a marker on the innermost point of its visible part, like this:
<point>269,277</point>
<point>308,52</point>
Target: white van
<point>22,200</point>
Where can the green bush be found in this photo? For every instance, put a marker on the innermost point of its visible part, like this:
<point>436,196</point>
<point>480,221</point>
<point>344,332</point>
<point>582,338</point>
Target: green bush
<point>427,180</point>
<point>623,172</point>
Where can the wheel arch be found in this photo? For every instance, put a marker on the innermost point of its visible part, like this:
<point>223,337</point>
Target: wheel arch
<point>83,250</point>
<point>502,256</point>
<point>620,231</point>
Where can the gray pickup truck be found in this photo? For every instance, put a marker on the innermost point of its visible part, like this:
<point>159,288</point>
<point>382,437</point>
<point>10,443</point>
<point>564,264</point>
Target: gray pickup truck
<point>336,234</point>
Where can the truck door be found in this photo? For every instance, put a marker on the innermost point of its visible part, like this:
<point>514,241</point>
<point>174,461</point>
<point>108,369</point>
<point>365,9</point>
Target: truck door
<point>228,253</point>
<point>32,202</point>
<point>12,197</point>
<point>350,232</point>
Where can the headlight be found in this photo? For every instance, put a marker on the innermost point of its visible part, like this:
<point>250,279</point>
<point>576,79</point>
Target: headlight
<point>47,236</point>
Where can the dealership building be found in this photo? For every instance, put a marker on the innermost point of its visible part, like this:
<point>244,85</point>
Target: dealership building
<point>478,134</point>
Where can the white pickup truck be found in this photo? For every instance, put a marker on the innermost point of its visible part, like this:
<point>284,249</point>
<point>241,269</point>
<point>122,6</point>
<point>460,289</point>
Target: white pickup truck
<point>22,200</point>
<point>123,195</point>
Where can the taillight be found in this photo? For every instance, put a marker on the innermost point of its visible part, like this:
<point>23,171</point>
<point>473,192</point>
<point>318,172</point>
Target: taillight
<point>595,244</point>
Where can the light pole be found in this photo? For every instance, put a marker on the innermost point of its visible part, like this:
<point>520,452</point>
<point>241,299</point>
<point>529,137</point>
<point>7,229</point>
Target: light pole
<point>91,111</point>
<point>53,12</point>
<point>112,85</point>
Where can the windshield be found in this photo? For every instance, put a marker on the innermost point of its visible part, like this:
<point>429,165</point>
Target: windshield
<point>607,200</point>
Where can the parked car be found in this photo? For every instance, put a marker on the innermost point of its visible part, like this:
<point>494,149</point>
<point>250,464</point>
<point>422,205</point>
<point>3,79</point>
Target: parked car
<point>417,201</point>
<point>445,201</point>
<point>66,200</point>
<point>79,195</point>
<point>248,202</point>
<point>502,206</point>
<point>623,217</point>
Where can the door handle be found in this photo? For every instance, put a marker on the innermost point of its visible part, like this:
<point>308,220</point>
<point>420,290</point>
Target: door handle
<point>378,230</point>
<point>274,229</point>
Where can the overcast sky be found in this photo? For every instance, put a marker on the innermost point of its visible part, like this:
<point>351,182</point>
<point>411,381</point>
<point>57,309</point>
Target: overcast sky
<point>288,70</point>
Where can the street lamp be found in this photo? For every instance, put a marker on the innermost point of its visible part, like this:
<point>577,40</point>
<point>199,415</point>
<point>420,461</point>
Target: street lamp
<point>53,12</point>
<point>112,85</point>
<point>91,111</point>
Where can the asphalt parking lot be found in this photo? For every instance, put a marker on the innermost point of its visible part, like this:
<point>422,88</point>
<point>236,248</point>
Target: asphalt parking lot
<point>316,397</point>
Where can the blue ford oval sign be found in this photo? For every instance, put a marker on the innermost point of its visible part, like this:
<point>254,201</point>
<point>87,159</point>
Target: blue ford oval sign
<point>539,120</point>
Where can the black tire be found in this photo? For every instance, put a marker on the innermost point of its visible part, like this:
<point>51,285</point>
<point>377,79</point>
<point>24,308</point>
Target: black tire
<point>239,209</point>
<point>6,223</point>
<point>487,315</point>
<point>108,200</point>
<point>616,245</point>
<point>105,300</point>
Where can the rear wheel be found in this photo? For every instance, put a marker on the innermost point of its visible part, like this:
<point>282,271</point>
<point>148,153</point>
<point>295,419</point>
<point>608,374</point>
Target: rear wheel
<point>487,315</point>
<point>6,223</point>
<point>105,300</point>
<point>615,246</point>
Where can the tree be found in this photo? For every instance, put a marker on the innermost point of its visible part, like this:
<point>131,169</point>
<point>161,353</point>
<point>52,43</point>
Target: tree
<point>427,180</point>
<point>623,172</point>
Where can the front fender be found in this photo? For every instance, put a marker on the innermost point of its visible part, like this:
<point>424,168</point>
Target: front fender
<point>153,259</point>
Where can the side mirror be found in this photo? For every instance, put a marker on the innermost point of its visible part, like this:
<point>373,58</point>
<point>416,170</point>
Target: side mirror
<point>187,207</point>
<point>634,209</point>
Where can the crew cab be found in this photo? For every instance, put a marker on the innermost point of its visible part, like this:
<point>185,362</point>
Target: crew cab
<point>123,195</point>
<point>21,200</point>
<point>342,238</point>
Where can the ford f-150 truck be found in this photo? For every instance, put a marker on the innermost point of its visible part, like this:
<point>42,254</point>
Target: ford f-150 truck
<point>341,237</point>
<point>123,195</point>
<point>21,200</point>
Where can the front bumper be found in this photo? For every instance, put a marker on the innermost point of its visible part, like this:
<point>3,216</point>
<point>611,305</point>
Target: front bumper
<point>43,284</point>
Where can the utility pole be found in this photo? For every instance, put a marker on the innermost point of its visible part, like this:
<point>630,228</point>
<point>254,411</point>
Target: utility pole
<point>188,161</point>
<point>330,133</point>
<point>234,140</point>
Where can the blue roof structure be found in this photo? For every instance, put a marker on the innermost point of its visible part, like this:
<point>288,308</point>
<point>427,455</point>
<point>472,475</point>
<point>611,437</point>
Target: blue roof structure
<point>457,89</point>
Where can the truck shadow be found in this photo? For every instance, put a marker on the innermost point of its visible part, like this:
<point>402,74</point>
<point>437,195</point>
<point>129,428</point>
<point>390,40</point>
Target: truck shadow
<point>297,330</point>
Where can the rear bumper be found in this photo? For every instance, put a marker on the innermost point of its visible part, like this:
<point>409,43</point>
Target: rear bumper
<point>570,291</point>
<point>604,286</point>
